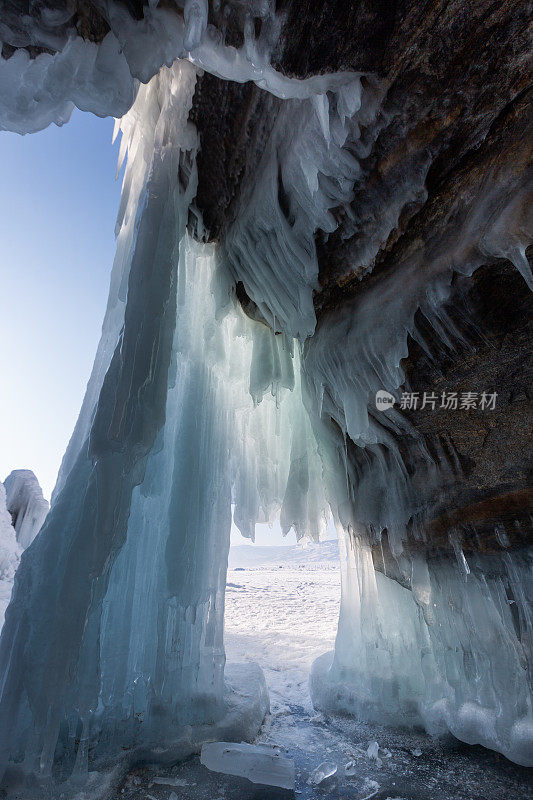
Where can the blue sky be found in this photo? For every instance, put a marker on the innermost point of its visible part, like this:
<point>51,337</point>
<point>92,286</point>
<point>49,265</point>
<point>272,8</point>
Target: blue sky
<point>57,217</point>
<point>58,207</point>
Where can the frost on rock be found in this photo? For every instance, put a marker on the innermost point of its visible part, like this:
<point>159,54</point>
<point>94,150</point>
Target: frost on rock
<point>26,504</point>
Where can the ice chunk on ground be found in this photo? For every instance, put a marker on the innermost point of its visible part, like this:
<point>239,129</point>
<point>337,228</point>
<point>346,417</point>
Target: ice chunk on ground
<point>369,789</point>
<point>324,771</point>
<point>259,763</point>
<point>373,753</point>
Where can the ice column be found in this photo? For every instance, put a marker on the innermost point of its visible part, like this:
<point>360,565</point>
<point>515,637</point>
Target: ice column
<point>68,671</point>
<point>447,650</point>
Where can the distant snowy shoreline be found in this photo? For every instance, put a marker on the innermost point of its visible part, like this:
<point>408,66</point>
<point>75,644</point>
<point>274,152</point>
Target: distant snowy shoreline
<point>311,556</point>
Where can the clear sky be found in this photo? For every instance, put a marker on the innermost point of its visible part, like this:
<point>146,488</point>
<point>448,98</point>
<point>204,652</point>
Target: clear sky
<point>58,207</point>
<point>57,216</point>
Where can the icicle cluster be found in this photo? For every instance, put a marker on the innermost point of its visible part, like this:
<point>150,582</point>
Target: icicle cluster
<point>103,77</point>
<point>307,173</point>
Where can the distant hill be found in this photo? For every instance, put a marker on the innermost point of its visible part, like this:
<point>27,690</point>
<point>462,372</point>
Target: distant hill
<point>250,556</point>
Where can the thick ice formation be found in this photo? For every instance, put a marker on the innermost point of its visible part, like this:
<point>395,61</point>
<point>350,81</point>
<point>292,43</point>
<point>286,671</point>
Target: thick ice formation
<point>451,653</point>
<point>23,510</point>
<point>10,552</point>
<point>26,504</point>
<point>184,416</point>
<point>308,171</point>
<point>103,78</point>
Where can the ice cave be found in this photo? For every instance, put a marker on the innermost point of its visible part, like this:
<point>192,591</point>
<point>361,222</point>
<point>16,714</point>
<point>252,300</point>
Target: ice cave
<point>319,317</point>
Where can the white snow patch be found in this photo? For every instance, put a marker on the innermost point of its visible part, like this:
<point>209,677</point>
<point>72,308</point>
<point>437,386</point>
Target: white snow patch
<point>298,621</point>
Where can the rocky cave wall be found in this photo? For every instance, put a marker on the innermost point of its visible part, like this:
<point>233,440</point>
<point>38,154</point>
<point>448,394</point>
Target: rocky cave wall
<point>455,126</point>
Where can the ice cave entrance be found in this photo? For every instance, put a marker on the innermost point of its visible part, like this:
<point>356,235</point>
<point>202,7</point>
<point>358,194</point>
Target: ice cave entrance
<point>282,609</point>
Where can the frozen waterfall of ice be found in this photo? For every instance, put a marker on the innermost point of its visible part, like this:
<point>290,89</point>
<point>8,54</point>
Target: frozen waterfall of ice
<point>114,635</point>
<point>449,654</point>
<point>261,763</point>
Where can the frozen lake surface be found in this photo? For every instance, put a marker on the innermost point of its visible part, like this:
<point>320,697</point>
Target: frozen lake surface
<point>283,619</point>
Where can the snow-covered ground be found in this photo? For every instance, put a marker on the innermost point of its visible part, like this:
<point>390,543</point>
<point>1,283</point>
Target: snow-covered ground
<point>281,612</point>
<point>283,618</point>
